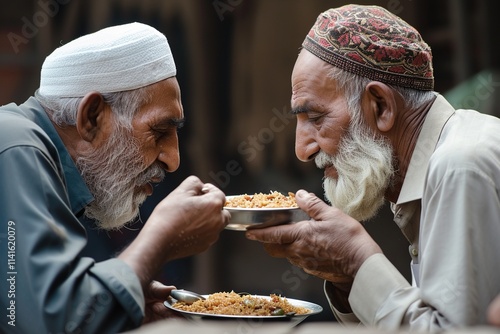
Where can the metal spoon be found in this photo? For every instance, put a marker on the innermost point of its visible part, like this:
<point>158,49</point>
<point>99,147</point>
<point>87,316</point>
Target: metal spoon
<point>186,296</point>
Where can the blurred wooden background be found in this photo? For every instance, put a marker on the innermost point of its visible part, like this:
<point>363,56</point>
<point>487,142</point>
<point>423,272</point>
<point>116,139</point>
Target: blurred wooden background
<point>234,60</point>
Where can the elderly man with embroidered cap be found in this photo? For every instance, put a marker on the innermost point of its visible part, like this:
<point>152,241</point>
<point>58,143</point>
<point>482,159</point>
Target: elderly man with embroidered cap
<point>100,131</point>
<point>362,90</point>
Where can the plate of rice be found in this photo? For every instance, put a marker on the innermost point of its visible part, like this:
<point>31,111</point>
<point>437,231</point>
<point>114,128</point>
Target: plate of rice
<point>262,210</point>
<point>238,306</point>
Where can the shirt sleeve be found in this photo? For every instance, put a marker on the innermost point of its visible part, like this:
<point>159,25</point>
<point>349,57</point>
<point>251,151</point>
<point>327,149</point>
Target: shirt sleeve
<point>52,288</point>
<point>380,295</point>
<point>458,270</point>
<point>346,319</point>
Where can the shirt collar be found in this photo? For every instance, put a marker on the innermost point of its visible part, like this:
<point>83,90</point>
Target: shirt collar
<point>78,192</point>
<point>437,116</point>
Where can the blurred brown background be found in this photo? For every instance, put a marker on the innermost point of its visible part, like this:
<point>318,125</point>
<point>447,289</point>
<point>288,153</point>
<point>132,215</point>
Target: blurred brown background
<point>234,60</point>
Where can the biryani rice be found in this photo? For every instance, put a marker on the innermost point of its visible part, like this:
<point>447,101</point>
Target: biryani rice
<point>274,199</point>
<point>231,303</point>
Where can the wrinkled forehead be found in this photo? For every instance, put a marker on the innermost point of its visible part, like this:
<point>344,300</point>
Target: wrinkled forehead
<point>310,73</point>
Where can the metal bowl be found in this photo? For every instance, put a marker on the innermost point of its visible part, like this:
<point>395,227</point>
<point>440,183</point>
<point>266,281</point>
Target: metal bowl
<point>290,320</point>
<point>247,218</point>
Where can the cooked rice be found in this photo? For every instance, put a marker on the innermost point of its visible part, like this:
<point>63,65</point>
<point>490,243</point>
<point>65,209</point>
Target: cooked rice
<point>274,199</point>
<point>231,303</point>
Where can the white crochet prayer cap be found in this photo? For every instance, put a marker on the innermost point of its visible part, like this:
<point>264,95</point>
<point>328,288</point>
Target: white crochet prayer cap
<point>113,59</point>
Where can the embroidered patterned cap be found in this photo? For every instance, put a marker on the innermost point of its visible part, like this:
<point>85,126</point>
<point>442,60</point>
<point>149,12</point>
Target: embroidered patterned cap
<point>372,42</point>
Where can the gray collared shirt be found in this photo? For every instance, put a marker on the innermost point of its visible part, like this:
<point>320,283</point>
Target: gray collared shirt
<point>51,287</point>
<point>449,209</point>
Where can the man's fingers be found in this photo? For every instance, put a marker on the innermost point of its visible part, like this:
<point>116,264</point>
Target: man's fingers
<point>282,234</point>
<point>159,291</point>
<point>191,181</point>
<point>311,204</point>
<point>226,217</point>
<point>208,187</point>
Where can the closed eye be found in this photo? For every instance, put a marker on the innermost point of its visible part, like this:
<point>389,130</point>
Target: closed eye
<point>163,129</point>
<point>312,116</point>
<point>160,133</point>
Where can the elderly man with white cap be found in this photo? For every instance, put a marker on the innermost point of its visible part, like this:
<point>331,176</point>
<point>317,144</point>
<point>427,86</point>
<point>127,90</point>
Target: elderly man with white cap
<point>101,129</point>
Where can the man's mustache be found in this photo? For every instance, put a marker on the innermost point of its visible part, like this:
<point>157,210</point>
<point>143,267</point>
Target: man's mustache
<point>154,172</point>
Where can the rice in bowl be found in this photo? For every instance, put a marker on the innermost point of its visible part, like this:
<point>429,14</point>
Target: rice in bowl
<point>274,199</point>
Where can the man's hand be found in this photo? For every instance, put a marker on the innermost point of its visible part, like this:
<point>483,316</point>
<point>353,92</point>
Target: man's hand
<point>331,245</point>
<point>187,222</point>
<point>190,219</point>
<point>155,295</point>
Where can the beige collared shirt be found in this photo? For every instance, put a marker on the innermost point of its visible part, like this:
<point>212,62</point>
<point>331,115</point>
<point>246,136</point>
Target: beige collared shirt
<point>449,210</point>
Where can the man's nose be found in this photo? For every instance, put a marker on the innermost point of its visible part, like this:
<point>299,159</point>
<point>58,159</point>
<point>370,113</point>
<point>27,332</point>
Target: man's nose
<point>169,154</point>
<point>306,146</point>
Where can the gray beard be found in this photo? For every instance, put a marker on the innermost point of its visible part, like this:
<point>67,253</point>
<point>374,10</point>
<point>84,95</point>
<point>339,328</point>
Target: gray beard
<point>113,174</point>
<point>365,170</point>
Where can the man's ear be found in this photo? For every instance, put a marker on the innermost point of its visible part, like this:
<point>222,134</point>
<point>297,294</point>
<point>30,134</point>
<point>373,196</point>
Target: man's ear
<point>382,105</point>
<point>92,117</point>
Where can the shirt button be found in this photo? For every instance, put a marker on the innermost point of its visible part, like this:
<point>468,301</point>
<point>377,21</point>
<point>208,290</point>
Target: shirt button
<point>414,252</point>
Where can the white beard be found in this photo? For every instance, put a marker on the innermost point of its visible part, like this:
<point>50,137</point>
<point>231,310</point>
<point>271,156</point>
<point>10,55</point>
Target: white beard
<point>113,174</point>
<point>364,168</point>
